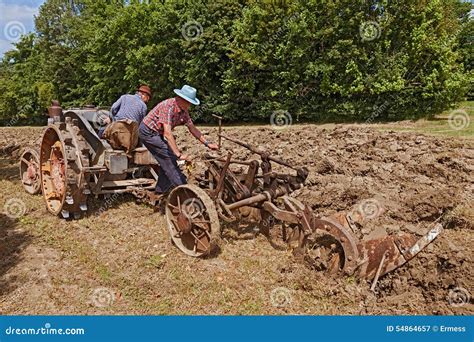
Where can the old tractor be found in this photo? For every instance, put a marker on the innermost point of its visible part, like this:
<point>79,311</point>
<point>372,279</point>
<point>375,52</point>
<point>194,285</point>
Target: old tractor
<point>73,163</point>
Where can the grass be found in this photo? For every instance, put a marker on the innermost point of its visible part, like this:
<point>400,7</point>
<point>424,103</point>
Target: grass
<point>458,122</point>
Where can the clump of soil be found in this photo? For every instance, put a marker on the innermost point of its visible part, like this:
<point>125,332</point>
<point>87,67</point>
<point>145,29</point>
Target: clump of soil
<point>13,140</point>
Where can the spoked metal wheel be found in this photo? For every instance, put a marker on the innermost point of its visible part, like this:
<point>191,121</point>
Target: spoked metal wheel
<point>331,248</point>
<point>61,158</point>
<point>53,171</point>
<point>324,253</point>
<point>192,220</point>
<point>29,171</point>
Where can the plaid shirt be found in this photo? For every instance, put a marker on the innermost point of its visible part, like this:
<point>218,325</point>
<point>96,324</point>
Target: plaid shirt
<point>167,112</point>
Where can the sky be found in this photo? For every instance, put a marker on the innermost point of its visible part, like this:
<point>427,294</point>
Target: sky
<point>16,18</point>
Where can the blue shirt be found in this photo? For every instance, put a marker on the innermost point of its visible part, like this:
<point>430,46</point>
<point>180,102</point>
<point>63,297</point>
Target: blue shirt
<point>129,107</point>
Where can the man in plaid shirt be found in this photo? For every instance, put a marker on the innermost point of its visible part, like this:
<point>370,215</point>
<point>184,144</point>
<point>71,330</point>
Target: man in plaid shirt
<point>156,134</point>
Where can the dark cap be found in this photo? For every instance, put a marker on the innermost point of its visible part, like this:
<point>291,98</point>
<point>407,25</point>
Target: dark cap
<point>145,89</point>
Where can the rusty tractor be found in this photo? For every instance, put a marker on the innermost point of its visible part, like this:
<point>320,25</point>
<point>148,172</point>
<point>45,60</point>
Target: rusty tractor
<point>73,163</point>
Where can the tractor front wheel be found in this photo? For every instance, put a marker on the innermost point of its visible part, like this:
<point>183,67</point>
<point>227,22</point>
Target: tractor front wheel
<point>29,171</point>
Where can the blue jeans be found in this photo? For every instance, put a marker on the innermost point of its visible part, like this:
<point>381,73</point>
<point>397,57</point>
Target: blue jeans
<point>170,175</point>
<point>101,131</point>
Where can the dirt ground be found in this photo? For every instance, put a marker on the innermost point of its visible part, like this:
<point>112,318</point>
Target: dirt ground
<point>120,260</point>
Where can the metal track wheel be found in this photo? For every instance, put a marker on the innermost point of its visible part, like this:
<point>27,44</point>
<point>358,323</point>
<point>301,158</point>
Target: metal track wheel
<point>62,157</point>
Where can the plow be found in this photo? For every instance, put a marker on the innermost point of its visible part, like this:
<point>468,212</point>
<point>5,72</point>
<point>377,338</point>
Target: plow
<point>72,163</point>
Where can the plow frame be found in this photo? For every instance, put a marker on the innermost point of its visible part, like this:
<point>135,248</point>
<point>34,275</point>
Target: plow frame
<point>257,194</point>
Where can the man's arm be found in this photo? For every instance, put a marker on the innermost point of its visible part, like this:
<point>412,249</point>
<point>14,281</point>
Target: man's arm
<point>116,106</point>
<point>199,136</point>
<point>170,139</point>
<point>196,132</point>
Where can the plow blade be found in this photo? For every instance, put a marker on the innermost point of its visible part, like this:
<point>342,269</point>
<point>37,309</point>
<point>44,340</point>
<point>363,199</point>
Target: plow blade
<point>381,256</point>
<point>368,259</point>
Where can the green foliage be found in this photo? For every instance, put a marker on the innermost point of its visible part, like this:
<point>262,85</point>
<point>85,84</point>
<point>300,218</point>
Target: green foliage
<point>321,60</point>
<point>46,93</point>
<point>466,44</point>
<point>320,67</point>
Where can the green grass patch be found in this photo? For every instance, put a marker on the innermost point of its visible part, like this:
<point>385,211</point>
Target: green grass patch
<point>458,123</point>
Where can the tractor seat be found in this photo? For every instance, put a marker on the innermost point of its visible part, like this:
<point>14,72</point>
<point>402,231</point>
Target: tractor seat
<point>141,156</point>
<point>140,149</point>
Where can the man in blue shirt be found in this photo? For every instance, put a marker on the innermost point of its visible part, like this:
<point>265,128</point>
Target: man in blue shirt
<point>132,107</point>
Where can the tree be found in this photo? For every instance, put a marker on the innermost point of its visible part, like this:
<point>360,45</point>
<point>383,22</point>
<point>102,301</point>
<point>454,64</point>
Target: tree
<point>319,60</point>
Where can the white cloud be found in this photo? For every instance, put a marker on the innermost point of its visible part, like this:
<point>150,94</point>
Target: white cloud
<point>15,19</point>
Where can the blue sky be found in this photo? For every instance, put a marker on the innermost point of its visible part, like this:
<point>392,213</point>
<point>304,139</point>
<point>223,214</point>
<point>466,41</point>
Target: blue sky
<point>16,16</point>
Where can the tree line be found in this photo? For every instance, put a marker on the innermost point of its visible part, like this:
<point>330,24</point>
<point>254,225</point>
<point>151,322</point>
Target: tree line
<point>316,60</point>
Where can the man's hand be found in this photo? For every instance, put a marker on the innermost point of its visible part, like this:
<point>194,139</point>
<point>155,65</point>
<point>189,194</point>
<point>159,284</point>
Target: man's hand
<point>185,157</point>
<point>106,120</point>
<point>213,147</point>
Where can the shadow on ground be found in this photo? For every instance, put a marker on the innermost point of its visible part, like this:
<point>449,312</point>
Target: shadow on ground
<point>9,169</point>
<point>12,242</point>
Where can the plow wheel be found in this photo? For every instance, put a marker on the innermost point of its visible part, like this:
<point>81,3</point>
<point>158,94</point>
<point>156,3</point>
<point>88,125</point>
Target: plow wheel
<point>331,248</point>
<point>62,157</point>
<point>324,253</point>
<point>192,220</point>
<point>29,171</point>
